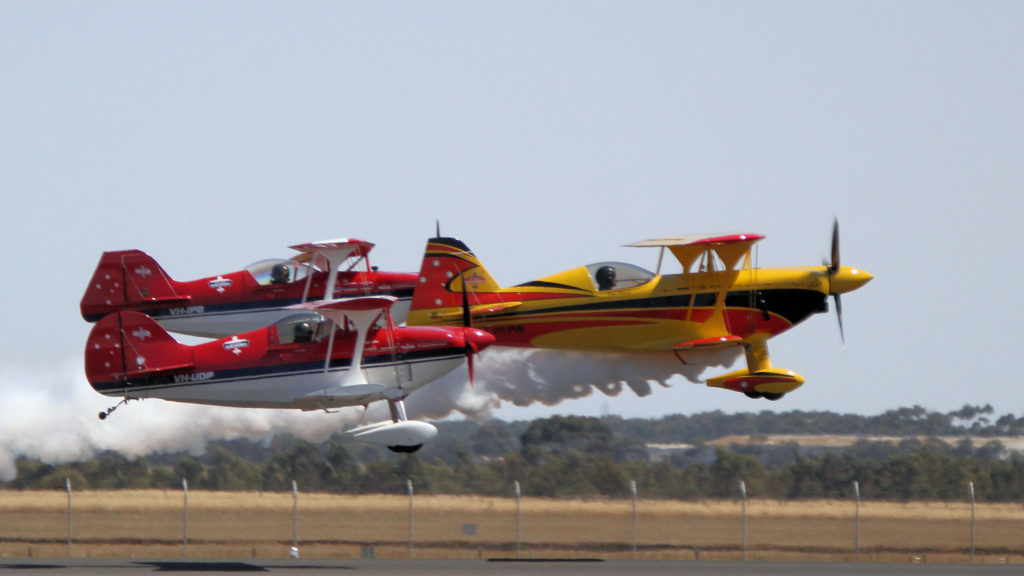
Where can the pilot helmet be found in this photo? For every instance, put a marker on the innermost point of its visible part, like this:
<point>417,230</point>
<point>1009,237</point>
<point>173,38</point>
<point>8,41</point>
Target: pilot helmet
<point>605,277</point>
<point>280,274</point>
<point>303,332</point>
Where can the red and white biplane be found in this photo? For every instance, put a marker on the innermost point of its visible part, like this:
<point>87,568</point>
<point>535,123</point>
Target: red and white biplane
<point>252,298</point>
<point>321,355</point>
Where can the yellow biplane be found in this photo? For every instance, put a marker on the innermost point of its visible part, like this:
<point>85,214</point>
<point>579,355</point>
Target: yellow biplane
<point>719,300</point>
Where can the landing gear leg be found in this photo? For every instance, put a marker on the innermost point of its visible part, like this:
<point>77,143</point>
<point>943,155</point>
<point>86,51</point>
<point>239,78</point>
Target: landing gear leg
<point>397,408</point>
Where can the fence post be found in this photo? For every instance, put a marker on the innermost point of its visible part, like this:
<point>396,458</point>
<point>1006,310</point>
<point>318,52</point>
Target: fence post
<point>743,496</point>
<point>970,489</point>
<point>184,532</point>
<point>408,487</point>
<point>632,490</point>
<point>67,482</point>
<point>519,516</point>
<point>856,526</point>
<point>295,520</point>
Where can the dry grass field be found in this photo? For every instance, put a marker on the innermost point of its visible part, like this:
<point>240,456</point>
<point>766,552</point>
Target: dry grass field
<point>230,524</point>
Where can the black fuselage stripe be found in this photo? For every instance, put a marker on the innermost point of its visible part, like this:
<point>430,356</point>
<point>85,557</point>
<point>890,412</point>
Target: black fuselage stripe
<point>230,308</point>
<point>250,306</point>
<point>793,305</point>
<point>275,371</point>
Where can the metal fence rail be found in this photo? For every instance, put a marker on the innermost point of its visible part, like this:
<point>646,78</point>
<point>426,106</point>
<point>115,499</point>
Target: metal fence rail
<point>738,529</point>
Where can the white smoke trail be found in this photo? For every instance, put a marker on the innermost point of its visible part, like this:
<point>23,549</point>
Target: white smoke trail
<point>526,376</point>
<point>50,413</point>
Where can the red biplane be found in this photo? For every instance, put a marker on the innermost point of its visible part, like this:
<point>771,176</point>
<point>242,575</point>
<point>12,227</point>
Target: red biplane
<point>322,355</point>
<point>245,300</point>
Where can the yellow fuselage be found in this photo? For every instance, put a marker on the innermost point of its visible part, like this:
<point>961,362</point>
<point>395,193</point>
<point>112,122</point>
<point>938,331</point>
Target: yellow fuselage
<point>619,307</point>
<point>565,310</point>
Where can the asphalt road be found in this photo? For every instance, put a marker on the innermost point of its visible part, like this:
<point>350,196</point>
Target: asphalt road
<point>303,567</point>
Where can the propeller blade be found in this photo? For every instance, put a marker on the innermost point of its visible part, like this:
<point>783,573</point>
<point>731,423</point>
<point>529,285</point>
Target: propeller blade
<point>467,322</point>
<point>839,316</point>
<point>833,269</point>
<point>835,246</point>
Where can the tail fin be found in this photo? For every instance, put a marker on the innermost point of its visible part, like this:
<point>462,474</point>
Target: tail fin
<point>448,265</point>
<point>130,345</point>
<point>126,279</point>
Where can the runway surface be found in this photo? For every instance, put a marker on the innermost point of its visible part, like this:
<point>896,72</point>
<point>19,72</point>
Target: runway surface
<point>302,567</point>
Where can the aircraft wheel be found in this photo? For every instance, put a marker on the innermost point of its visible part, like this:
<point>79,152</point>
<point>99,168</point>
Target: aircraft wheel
<point>405,449</point>
<point>103,415</point>
<point>772,396</point>
<point>752,394</point>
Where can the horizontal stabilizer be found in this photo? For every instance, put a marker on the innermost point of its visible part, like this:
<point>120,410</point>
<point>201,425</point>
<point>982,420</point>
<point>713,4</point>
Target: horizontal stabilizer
<point>350,391</point>
<point>168,300</point>
<point>487,309</point>
<point>478,311</point>
<point>715,343</point>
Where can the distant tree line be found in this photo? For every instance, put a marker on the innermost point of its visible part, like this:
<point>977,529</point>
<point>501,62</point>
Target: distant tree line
<point>597,457</point>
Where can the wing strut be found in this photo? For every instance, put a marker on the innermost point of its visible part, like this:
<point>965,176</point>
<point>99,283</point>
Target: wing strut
<point>362,312</point>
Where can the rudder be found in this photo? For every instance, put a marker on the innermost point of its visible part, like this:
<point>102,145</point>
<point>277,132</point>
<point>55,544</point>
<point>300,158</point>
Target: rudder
<point>447,264</point>
<point>130,345</point>
<point>126,279</point>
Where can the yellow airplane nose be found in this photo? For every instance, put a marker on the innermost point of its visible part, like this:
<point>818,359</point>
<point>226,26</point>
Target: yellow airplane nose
<point>847,279</point>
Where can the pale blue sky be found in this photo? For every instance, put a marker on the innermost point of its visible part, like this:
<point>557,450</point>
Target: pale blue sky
<point>545,135</point>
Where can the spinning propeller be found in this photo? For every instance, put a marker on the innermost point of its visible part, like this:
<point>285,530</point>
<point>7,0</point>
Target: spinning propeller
<point>467,323</point>
<point>841,278</point>
<point>472,336</point>
<point>476,339</point>
<point>833,270</point>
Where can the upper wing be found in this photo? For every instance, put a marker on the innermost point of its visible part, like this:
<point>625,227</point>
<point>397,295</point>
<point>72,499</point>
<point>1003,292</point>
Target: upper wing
<point>688,249</point>
<point>337,250</point>
<point>362,310</point>
<point>698,239</point>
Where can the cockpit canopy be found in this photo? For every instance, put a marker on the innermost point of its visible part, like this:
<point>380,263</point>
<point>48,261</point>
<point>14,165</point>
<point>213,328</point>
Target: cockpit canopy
<point>303,327</point>
<point>618,275</point>
<point>279,271</point>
